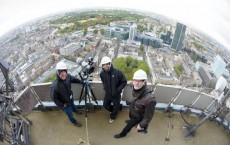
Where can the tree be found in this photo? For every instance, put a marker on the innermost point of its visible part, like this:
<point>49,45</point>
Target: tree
<point>142,47</point>
<point>129,65</point>
<point>140,28</point>
<point>85,30</point>
<point>154,45</point>
<point>129,69</point>
<point>140,52</point>
<point>102,31</point>
<point>129,76</point>
<point>95,31</point>
<point>120,64</point>
<point>128,60</point>
<point>14,59</point>
<point>51,78</point>
<point>133,64</point>
<point>143,65</point>
<point>178,69</point>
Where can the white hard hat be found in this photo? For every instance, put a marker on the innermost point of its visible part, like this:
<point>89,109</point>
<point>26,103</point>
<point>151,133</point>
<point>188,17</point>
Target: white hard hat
<point>105,60</point>
<point>61,65</point>
<point>140,75</point>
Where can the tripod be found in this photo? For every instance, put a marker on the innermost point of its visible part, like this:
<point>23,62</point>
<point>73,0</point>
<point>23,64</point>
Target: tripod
<point>86,87</point>
<point>88,90</point>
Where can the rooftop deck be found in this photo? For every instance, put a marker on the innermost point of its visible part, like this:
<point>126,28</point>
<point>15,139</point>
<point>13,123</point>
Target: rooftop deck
<point>53,128</point>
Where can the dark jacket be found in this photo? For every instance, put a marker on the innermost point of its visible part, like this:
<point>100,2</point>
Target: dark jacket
<point>113,81</point>
<point>143,105</point>
<point>61,90</point>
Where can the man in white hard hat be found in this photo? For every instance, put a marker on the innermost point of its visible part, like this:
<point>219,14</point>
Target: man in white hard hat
<point>62,94</point>
<point>141,109</point>
<point>113,81</point>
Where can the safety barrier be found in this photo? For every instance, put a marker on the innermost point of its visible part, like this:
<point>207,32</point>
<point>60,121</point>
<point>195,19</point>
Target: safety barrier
<point>166,95</point>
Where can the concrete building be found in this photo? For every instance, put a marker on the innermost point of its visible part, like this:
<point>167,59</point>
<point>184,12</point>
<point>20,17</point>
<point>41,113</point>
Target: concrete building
<point>167,37</point>
<point>69,49</point>
<point>228,66</point>
<point>148,26</point>
<point>132,32</point>
<point>197,78</point>
<point>218,66</point>
<point>77,33</point>
<point>187,71</point>
<point>199,64</point>
<point>131,47</point>
<point>226,73</point>
<point>31,70</point>
<point>149,40</point>
<point>131,43</point>
<point>168,80</point>
<point>119,32</point>
<point>178,38</point>
<point>205,76</point>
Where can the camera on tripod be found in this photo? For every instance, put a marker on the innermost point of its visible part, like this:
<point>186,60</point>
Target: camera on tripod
<point>88,66</point>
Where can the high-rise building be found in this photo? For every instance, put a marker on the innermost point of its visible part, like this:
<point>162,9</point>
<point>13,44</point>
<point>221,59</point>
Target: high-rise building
<point>132,32</point>
<point>167,38</point>
<point>205,76</point>
<point>218,66</point>
<point>148,26</point>
<point>118,32</point>
<point>179,35</point>
<point>149,40</point>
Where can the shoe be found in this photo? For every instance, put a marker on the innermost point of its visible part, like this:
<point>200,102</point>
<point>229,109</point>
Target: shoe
<point>120,107</point>
<point>111,120</point>
<point>77,124</point>
<point>143,131</point>
<point>119,136</point>
<point>127,121</point>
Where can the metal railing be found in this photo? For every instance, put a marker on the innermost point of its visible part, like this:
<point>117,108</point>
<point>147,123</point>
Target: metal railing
<point>167,96</point>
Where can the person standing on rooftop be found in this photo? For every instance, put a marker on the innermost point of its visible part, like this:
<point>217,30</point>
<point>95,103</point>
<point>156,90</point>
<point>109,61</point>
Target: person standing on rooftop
<point>141,109</point>
<point>62,94</point>
<point>113,82</point>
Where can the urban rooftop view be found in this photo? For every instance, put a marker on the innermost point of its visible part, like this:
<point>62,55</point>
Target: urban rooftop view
<point>188,72</point>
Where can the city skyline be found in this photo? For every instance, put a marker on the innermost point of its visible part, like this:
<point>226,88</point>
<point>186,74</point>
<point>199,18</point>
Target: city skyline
<point>211,17</point>
<point>35,50</point>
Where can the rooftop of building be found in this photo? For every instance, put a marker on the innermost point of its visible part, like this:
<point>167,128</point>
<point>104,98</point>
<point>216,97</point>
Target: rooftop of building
<point>51,126</point>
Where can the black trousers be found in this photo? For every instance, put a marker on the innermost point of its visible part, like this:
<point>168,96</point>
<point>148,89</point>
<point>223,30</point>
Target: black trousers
<point>132,122</point>
<point>113,109</point>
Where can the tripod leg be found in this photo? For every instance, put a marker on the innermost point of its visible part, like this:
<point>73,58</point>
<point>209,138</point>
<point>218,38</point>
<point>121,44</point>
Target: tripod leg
<point>94,98</point>
<point>81,96</point>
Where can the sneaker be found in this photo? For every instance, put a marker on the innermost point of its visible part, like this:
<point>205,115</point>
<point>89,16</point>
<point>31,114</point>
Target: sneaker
<point>77,124</point>
<point>143,130</point>
<point>119,136</point>
<point>120,107</point>
<point>111,120</point>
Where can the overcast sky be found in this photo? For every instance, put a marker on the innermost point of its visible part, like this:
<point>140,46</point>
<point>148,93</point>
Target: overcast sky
<point>210,16</point>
